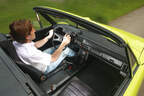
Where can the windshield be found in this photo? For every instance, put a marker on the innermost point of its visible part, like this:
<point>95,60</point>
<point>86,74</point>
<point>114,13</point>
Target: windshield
<point>45,20</point>
<point>60,20</point>
<point>40,22</point>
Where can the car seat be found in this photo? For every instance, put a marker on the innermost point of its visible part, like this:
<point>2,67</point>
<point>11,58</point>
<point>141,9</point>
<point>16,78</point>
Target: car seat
<point>9,49</point>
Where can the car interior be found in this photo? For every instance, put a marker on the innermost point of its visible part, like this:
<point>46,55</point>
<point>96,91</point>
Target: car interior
<point>99,67</point>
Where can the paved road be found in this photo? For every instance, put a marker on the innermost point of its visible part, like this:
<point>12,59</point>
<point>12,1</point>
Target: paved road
<point>132,22</point>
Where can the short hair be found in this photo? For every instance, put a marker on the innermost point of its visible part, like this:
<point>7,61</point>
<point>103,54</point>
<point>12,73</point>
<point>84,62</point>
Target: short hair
<point>20,29</point>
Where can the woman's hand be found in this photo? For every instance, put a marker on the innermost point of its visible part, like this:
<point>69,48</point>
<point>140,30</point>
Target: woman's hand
<point>50,34</point>
<point>66,39</point>
<point>40,43</point>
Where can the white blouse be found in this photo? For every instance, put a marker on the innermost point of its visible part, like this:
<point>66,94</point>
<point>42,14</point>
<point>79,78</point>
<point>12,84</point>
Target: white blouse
<point>30,55</point>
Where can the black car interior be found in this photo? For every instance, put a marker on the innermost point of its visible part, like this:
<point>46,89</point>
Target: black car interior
<point>98,69</point>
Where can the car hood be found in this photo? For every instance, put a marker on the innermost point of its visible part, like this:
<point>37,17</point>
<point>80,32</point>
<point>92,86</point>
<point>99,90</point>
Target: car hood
<point>136,43</point>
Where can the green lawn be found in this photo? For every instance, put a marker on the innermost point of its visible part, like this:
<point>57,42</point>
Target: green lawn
<point>98,10</point>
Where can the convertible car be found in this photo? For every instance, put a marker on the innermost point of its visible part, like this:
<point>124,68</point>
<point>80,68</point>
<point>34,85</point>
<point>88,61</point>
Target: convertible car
<point>108,61</point>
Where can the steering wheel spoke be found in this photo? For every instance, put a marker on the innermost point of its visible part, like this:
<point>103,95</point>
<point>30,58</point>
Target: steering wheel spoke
<point>57,37</point>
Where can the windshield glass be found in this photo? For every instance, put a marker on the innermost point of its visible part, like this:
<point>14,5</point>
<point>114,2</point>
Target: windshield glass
<point>60,20</point>
<point>40,21</point>
<point>46,20</point>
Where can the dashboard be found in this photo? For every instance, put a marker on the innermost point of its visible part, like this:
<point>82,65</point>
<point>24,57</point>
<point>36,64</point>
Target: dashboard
<point>95,44</point>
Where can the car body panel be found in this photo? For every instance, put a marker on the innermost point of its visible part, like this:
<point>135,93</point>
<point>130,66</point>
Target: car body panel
<point>140,92</point>
<point>12,82</point>
<point>135,83</point>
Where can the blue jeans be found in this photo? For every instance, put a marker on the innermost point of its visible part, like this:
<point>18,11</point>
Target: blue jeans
<point>66,53</point>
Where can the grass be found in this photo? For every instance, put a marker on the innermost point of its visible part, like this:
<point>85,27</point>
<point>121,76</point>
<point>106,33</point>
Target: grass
<point>98,10</point>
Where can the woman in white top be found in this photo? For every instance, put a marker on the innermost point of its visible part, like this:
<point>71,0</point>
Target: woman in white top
<point>23,33</point>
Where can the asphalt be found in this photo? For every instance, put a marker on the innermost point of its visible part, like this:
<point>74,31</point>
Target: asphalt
<point>132,22</point>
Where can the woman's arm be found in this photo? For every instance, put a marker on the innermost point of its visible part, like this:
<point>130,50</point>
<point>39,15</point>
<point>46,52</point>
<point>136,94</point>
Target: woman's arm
<point>40,43</point>
<point>56,54</point>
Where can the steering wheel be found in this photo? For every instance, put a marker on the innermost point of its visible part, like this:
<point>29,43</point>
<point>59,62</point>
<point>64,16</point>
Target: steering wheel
<point>60,31</point>
<point>57,35</point>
